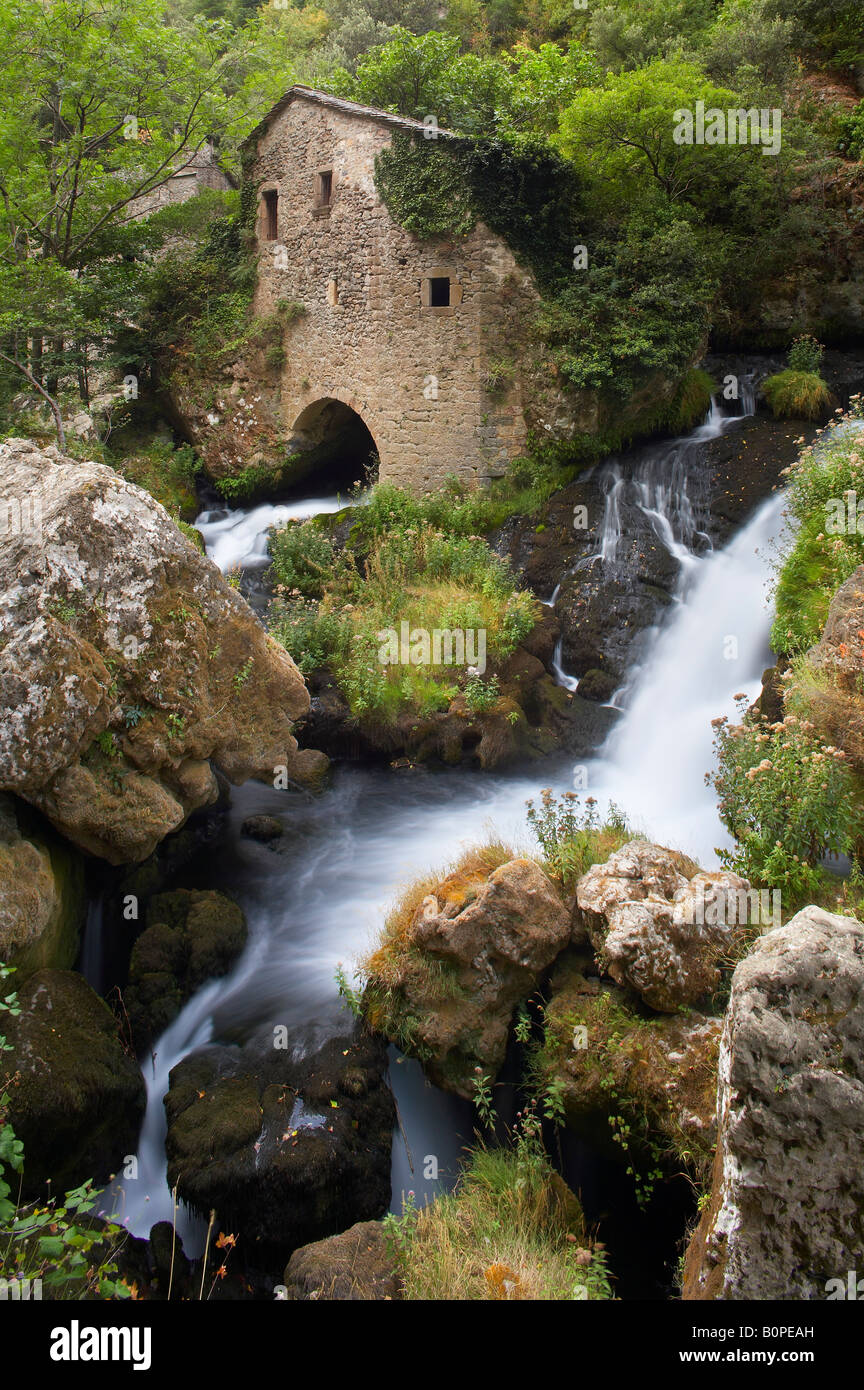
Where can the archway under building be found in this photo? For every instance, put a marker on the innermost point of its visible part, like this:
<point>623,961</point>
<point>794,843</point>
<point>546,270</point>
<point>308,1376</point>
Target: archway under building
<point>336,445</point>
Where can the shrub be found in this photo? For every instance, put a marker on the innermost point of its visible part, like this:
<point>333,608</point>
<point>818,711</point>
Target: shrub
<point>414,575</point>
<point>805,354</point>
<point>785,798</point>
<point>572,839</point>
<point>797,395</point>
<point>823,554</point>
<point>302,558</point>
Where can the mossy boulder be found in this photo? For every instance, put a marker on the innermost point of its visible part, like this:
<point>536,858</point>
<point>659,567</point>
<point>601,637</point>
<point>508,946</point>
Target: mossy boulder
<point>41,893</point>
<point>447,978</point>
<point>661,926</point>
<point>613,1060</point>
<point>354,1266</point>
<point>76,1095</point>
<point>783,1218</point>
<point>286,1148</point>
<point>191,937</point>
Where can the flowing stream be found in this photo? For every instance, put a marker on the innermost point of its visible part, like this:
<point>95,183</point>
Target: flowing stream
<point>318,900</point>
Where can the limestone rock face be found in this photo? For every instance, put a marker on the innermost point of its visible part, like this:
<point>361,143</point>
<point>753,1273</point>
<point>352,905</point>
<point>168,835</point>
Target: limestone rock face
<point>127,663</point>
<point>492,937</point>
<point>353,1266</point>
<point>660,930</point>
<point>76,1097</point>
<point>785,1211</point>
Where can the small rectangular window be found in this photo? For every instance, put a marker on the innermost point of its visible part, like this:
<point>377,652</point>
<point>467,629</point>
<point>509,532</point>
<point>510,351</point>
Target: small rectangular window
<point>324,190</point>
<point>271,214</point>
<point>439,291</point>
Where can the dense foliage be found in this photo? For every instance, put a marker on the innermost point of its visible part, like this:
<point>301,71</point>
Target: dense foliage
<point>334,611</point>
<point>827,532</point>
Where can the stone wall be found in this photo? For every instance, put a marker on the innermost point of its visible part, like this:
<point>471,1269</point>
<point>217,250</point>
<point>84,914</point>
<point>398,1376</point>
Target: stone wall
<point>417,374</point>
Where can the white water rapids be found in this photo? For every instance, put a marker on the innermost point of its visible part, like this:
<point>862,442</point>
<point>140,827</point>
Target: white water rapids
<point>350,849</point>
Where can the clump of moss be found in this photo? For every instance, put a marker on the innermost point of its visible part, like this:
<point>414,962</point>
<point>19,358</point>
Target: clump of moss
<point>797,395</point>
<point>402,983</point>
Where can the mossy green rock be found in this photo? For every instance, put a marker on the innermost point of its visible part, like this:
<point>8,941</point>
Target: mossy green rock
<point>191,937</point>
<point>286,1149</point>
<point>41,892</point>
<point>76,1097</point>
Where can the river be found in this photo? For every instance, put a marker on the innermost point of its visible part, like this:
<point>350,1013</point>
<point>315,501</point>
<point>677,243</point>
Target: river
<point>319,899</point>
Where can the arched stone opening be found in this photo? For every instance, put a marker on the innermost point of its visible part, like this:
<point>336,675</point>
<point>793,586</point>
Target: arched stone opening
<point>336,445</point>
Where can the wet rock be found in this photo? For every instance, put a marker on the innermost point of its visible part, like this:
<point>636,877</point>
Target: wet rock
<point>286,1149</point>
<point>784,1216</point>
<point>263,828</point>
<point>190,937</point>
<point>41,893</point>
<point>128,665</point>
<point>658,929</point>
<point>76,1097</point>
<point>473,949</point>
<point>353,1266</point>
<point>609,1056</point>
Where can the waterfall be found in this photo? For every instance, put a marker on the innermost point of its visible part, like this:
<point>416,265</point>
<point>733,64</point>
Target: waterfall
<point>346,853</point>
<point>714,647</point>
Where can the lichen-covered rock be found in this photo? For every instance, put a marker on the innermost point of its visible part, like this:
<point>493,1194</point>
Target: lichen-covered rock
<point>287,1149</point>
<point>76,1097</point>
<point>607,1057</point>
<point>41,893</point>
<point>657,929</point>
<point>354,1266</point>
<point>190,937</point>
<point>785,1213</point>
<point>476,945</point>
<point>127,663</point>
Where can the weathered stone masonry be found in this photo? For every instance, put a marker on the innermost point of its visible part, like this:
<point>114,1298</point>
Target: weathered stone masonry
<point>375,335</point>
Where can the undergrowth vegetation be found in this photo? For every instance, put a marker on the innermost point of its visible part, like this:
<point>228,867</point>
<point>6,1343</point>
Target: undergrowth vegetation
<point>370,613</point>
<point>572,839</point>
<point>787,798</point>
<point>827,537</point>
<point>510,1231</point>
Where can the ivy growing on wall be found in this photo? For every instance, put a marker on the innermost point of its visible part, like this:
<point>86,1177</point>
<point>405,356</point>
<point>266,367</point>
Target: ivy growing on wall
<point>521,189</point>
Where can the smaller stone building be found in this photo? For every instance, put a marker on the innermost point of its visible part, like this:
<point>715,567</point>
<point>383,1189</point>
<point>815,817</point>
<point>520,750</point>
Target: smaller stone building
<point>416,339</point>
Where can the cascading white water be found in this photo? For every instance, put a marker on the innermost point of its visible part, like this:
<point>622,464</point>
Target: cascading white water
<point>352,848</point>
<point>237,538</point>
<point>660,486</point>
<point>715,646</point>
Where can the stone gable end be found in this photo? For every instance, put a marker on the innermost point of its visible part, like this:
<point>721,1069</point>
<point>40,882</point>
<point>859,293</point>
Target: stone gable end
<point>398,329</point>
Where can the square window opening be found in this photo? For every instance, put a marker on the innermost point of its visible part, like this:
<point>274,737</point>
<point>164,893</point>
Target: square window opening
<point>439,291</point>
<point>271,214</point>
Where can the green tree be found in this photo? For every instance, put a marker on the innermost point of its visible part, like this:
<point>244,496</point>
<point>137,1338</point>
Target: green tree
<point>114,96</point>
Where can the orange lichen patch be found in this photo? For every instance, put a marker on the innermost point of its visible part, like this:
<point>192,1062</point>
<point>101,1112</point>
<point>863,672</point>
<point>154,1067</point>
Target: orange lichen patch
<point>453,888</point>
<point>504,1283</point>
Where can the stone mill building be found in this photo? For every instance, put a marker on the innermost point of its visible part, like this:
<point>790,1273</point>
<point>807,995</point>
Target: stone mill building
<point>390,333</point>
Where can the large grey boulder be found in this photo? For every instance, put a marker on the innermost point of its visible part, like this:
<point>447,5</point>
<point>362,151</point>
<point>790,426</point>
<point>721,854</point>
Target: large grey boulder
<point>786,1213</point>
<point>657,926</point>
<point>128,665</point>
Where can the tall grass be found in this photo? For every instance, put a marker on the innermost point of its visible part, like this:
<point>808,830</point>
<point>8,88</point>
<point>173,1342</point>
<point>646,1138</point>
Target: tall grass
<point>507,1233</point>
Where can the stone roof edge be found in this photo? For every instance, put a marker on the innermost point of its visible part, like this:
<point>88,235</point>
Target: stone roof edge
<point>350,108</point>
